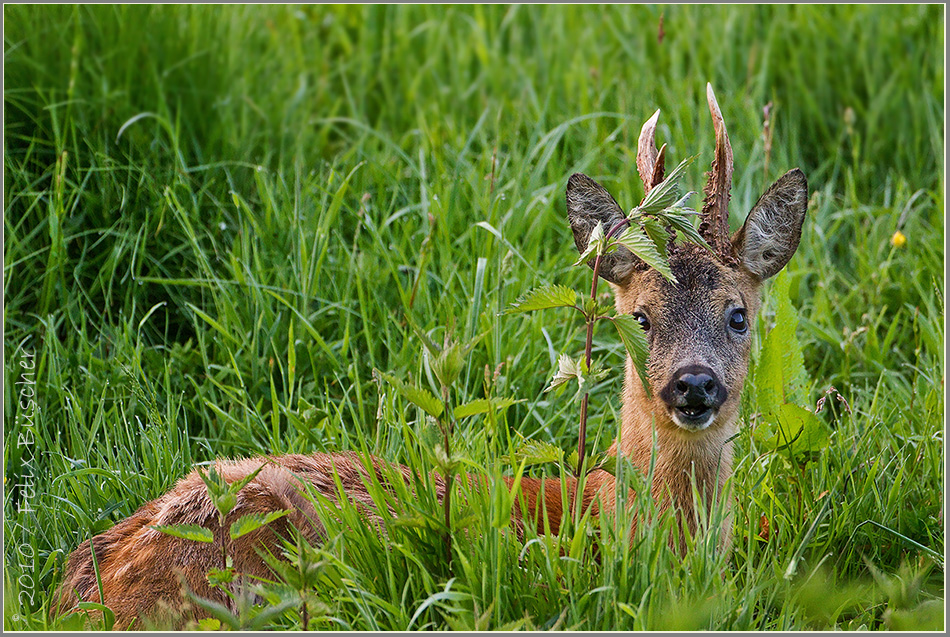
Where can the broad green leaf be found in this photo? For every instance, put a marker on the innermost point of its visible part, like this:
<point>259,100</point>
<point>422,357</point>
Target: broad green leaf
<point>657,233</point>
<point>533,452</point>
<point>571,462</point>
<point>223,495</point>
<point>237,485</point>
<point>808,431</point>
<point>637,241</point>
<point>595,309</point>
<point>596,244</point>
<point>421,398</point>
<point>780,375</point>
<point>606,462</point>
<point>446,464</point>
<point>786,323</point>
<point>794,431</point>
<point>191,532</point>
<point>431,346</point>
<point>219,576</point>
<point>769,380</point>
<point>684,224</point>
<point>448,364</point>
<point>544,297</point>
<point>482,405</point>
<point>635,342</point>
<point>664,194</point>
<point>781,385</point>
<point>679,208</point>
<point>214,481</point>
<point>253,521</point>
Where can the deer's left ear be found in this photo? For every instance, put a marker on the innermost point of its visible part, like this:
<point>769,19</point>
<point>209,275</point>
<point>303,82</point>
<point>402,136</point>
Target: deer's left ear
<point>770,235</point>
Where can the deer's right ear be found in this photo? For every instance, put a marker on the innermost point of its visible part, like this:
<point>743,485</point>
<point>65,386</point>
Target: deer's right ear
<point>588,204</point>
<point>770,235</point>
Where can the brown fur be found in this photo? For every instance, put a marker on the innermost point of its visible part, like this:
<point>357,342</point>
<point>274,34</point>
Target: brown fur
<point>144,571</point>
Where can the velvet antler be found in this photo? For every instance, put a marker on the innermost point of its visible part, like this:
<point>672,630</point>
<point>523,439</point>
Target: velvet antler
<point>650,163</point>
<point>714,226</point>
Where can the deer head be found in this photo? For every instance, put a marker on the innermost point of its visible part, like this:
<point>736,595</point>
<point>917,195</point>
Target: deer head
<point>699,329</point>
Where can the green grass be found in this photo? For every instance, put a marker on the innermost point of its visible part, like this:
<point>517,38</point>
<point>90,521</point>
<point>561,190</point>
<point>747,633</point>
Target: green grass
<point>219,220</point>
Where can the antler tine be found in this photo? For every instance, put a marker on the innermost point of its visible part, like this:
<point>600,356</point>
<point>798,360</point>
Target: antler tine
<point>715,217</point>
<point>650,163</point>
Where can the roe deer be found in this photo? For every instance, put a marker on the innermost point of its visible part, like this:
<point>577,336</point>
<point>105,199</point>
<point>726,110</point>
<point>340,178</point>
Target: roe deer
<point>699,333</point>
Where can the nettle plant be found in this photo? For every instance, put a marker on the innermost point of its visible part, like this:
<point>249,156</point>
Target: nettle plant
<point>446,363</point>
<point>648,230</point>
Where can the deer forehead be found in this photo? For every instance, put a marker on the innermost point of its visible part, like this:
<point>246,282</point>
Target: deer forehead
<point>703,287</point>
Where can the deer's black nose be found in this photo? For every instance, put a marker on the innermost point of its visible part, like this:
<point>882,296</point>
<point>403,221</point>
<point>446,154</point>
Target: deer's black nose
<point>694,386</point>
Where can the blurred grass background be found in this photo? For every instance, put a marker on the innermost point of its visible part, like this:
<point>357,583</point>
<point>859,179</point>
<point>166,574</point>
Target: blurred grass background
<point>219,220</point>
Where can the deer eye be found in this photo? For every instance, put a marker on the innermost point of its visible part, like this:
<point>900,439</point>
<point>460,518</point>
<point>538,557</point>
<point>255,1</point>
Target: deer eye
<point>642,320</point>
<point>737,321</point>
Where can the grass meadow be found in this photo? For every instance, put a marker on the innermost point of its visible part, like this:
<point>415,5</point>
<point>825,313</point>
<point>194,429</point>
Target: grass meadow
<point>218,221</point>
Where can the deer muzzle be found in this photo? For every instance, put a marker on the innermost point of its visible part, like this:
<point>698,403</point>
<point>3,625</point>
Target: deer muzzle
<point>694,397</point>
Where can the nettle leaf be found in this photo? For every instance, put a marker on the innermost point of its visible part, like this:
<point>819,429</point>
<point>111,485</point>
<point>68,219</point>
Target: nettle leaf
<point>446,463</point>
<point>680,208</point>
<point>596,244</point>
<point>217,485</point>
<point>482,406</point>
<point>657,233</point>
<point>794,431</point>
<point>769,380</point>
<point>544,297</point>
<point>253,521</point>
<point>209,623</point>
<point>237,485</point>
<point>421,398</point>
<point>683,222</point>
<point>221,576</point>
<point>448,364</point>
<point>191,532</point>
<point>567,368</point>
<point>635,342</point>
<point>534,452</point>
<point>223,495</point>
<point>595,309</point>
<point>637,241</point>
<point>664,194</point>
<point>605,462</point>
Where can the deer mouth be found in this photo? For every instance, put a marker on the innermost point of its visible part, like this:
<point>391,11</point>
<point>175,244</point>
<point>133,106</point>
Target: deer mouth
<point>693,417</point>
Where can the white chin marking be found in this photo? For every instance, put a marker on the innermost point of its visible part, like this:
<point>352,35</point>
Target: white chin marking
<point>693,425</point>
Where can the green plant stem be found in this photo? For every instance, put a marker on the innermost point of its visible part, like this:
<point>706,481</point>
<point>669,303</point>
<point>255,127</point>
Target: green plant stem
<point>449,475</point>
<point>588,351</point>
<point>447,508</point>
